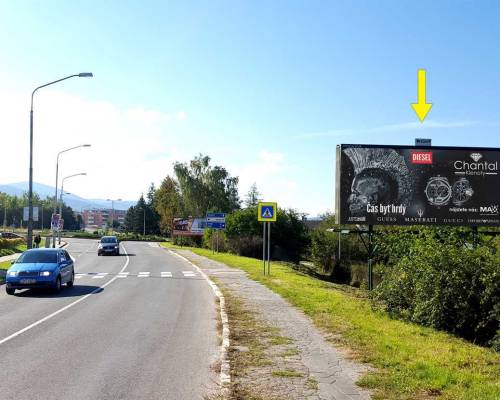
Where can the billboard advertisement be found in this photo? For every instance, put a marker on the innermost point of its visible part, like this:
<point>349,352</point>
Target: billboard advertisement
<point>407,185</point>
<point>189,226</point>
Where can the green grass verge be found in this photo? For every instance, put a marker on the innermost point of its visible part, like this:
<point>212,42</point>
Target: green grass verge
<point>12,250</point>
<point>5,265</point>
<point>411,361</point>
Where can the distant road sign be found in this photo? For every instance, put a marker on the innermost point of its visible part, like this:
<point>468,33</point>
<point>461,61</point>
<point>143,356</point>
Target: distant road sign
<point>54,223</point>
<point>267,212</point>
<point>216,220</point>
<point>26,214</point>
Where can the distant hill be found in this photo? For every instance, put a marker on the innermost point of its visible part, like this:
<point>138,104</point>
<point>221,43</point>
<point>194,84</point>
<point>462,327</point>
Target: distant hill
<point>74,201</point>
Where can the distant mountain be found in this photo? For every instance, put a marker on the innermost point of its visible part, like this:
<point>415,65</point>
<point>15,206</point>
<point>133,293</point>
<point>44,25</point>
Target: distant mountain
<point>75,202</point>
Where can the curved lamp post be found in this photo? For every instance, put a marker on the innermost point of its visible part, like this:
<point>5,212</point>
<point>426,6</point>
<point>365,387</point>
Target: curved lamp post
<point>61,195</point>
<point>57,183</point>
<point>30,190</point>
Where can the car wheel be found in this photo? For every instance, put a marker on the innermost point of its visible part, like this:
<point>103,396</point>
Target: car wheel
<point>71,281</point>
<point>10,291</point>
<point>57,287</point>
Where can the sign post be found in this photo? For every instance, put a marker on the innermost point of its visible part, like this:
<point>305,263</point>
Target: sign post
<point>216,221</point>
<point>267,213</point>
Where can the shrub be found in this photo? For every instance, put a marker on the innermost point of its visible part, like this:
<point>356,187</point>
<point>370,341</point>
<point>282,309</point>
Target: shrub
<point>248,246</point>
<point>445,283</point>
<point>213,239</point>
<point>195,241</point>
<point>11,243</point>
<point>289,236</point>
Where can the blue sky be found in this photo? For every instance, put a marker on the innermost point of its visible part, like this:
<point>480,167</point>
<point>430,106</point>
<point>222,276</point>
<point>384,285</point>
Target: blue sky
<point>268,89</point>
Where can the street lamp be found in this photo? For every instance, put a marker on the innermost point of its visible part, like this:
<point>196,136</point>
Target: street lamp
<point>30,190</point>
<point>61,195</point>
<point>57,183</point>
<point>113,210</point>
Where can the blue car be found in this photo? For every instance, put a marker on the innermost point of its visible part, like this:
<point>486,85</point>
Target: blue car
<point>41,268</point>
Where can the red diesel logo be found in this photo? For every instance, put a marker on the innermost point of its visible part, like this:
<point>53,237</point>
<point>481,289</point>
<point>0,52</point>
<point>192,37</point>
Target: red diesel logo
<point>421,157</point>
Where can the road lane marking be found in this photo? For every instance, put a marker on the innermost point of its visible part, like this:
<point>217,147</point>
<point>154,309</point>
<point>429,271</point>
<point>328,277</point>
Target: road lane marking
<point>40,321</point>
<point>143,274</point>
<point>165,274</point>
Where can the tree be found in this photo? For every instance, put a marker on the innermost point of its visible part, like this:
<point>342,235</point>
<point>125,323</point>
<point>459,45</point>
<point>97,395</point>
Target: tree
<point>205,188</point>
<point>253,196</point>
<point>143,215</point>
<point>168,203</point>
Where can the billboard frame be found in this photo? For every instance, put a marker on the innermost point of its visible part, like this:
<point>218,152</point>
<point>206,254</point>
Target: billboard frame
<point>338,176</point>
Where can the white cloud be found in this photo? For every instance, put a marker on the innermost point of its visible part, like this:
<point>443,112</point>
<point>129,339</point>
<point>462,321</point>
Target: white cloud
<point>128,145</point>
<point>271,172</point>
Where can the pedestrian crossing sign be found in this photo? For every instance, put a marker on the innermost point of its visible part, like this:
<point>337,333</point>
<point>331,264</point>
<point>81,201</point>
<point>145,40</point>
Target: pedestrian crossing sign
<point>267,212</point>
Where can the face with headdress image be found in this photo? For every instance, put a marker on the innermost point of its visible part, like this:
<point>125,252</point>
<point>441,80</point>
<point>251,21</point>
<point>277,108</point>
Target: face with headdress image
<point>372,186</point>
<point>380,177</point>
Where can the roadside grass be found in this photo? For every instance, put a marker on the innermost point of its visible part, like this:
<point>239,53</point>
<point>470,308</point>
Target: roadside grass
<point>5,264</point>
<point>7,251</point>
<point>410,361</point>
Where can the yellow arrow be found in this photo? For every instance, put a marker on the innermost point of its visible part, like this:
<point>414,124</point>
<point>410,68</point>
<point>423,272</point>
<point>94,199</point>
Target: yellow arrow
<point>421,108</point>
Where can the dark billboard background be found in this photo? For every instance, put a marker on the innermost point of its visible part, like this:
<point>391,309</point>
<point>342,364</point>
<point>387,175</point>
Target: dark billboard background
<point>406,185</point>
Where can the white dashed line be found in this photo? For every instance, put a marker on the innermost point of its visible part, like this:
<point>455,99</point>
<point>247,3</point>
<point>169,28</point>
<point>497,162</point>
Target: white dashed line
<point>142,274</point>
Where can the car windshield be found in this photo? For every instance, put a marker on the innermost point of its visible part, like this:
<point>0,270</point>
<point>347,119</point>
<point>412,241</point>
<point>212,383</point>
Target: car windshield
<point>37,257</point>
<point>108,240</point>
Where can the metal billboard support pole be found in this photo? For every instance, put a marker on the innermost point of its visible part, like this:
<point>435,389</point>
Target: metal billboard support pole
<point>269,249</point>
<point>264,246</point>
<point>370,257</point>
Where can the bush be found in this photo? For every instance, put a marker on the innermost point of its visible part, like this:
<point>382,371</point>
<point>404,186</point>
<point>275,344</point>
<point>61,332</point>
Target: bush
<point>11,243</point>
<point>194,241</point>
<point>289,237</point>
<point>210,240</point>
<point>445,283</point>
<point>247,246</point>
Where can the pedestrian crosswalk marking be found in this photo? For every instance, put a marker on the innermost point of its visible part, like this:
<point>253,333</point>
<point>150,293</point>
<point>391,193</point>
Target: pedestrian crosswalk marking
<point>141,274</point>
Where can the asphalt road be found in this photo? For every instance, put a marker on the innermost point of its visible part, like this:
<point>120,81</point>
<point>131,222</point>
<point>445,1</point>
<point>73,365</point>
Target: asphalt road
<point>117,334</point>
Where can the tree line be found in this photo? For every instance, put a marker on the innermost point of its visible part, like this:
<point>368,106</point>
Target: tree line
<point>11,212</point>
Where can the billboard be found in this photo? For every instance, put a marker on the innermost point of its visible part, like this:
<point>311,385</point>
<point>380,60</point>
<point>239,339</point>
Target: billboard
<point>189,226</point>
<point>407,185</point>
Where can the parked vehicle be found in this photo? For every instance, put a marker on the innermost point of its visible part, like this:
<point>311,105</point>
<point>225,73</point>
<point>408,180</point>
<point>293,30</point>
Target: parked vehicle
<point>10,235</point>
<point>108,245</point>
<point>40,268</point>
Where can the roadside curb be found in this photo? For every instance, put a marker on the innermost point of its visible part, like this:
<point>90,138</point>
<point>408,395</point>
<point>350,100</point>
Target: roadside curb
<point>225,371</point>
